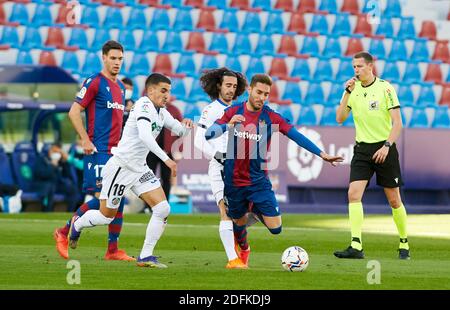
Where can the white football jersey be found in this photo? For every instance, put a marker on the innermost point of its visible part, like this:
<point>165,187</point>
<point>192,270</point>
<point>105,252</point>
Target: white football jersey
<point>210,114</point>
<point>132,150</point>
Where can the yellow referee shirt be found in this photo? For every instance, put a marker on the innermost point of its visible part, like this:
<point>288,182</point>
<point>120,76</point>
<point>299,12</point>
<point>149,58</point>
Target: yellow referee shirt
<point>370,106</point>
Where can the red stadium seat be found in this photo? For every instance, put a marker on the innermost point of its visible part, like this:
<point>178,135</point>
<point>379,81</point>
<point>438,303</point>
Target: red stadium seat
<point>63,14</point>
<point>206,20</point>
<point>428,30</point>
<point>149,2</point>
<point>363,26</point>
<point>286,5</point>
<point>434,73</point>
<point>195,3</point>
<point>297,23</point>
<point>163,64</point>
<point>2,15</point>
<point>445,98</point>
<point>288,45</point>
<point>441,51</point>
<point>279,68</point>
<point>241,4</point>
<point>55,37</point>
<point>196,42</point>
<point>307,6</point>
<point>274,95</point>
<point>350,6</point>
<point>47,58</point>
<point>354,46</point>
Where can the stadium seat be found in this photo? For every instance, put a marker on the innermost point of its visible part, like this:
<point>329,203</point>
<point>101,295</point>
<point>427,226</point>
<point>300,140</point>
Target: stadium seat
<point>42,15</point>
<point>335,95</point>
<point>434,73</point>
<point>310,46</point>
<point>55,37</point>
<point>297,23</point>
<point>163,64</point>
<point>91,64</point>
<point>274,95</point>
<point>160,20</point>
<point>307,117</point>
<point>328,117</point>
<point>405,95</point>
<point>412,73</point>
<point>178,89</point>
<point>279,68</point>
<point>78,38</point>
<point>186,65</point>
<point>6,174</point>
<point>285,5</point>
<point>393,9</point>
<point>137,19</point>
<point>445,97</point>
<point>32,38</point>
<point>196,42</point>
<point>265,5</point>
<point>139,65</point>
<point>196,94</point>
<point>252,22</point>
<point>391,72</point>
<point>220,4</point>
<point>183,20</point>
<point>292,92</point>
<point>70,62</point>
<point>24,58</point>
<point>19,14</point>
<point>2,15</point>
<point>328,5</point>
<point>332,48</point>
<point>242,44</point>
<point>191,110</point>
<point>206,20</point>
<point>113,18</point>
<point>126,38</point>
<point>265,45</point>
<point>362,26</point>
<point>150,42</point>
<point>324,71</point>
<point>10,36</point>
<point>354,46</point>
<point>274,23</point>
<point>230,21</point>
<point>89,16</point>
<point>342,26</point>
<point>314,94</point>
<point>288,45</point>
<point>233,63</point>
<point>195,3</point>
<point>385,28</point>
<point>241,4</point>
<point>420,50</point>
<point>23,159</point>
<point>428,30</point>
<point>149,2</point>
<point>101,36</point>
<point>418,119</point>
<point>407,29</point>
<point>172,3</point>
<point>441,118</point>
<point>301,69</point>
<point>441,51</point>
<point>47,58</point>
<point>286,112</point>
<point>173,42</point>
<point>377,49</point>
<point>345,70</point>
<point>307,6</point>
<point>208,62</point>
<point>219,43</point>
<point>398,51</point>
<point>319,24</point>
<point>350,6</point>
<point>426,96</point>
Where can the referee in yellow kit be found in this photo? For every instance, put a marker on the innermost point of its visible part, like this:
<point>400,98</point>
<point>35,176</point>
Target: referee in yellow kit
<point>378,124</point>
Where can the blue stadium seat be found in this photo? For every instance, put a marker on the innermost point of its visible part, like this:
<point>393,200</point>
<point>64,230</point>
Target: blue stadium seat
<point>314,94</point>
<point>233,63</point>
<point>398,51</point>
<point>229,20</point>
<point>126,38</point>
<point>186,65</point>
<point>265,45</point>
<point>10,36</point>
<point>92,64</point>
<point>335,95</point>
<point>286,112</point>
<point>139,65</point>
<point>220,4</point>
<point>191,111</point>
<point>342,26</point>
<point>448,77</point>
<point>19,14</point>
<point>208,62</point>
<point>24,58</point>
<point>101,36</point>
<point>377,48</point>
<point>319,24</point>
<point>252,23</point>
<point>393,8</point>
<point>418,119</point>
<point>441,118</point>
<point>160,20</point>
<point>307,117</point>
<point>78,38</point>
<point>173,42</point>
<point>23,160</point>
<point>137,19</point>
<point>391,72</point>
<point>420,50</point>
<point>70,62</point>
<point>6,175</point>
<point>412,73</point>
<point>32,38</point>
<point>292,92</point>
<point>172,3</point>
<point>219,43</point>
<point>183,20</point>
<point>324,71</point>
<point>407,29</point>
<point>178,89</point>
<point>274,23</point>
<point>345,70</point>
<point>426,96</point>
<point>242,44</point>
<point>310,46</point>
<point>89,16</point>
<point>196,94</point>
<point>114,18</point>
<point>301,69</point>
<point>265,5</point>
<point>332,48</point>
<point>150,42</point>
<point>42,15</point>
<point>385,28</point>
<point>328,5</point>
<point>255,65</point>
<point>328,117</point>
<point>405,95</point>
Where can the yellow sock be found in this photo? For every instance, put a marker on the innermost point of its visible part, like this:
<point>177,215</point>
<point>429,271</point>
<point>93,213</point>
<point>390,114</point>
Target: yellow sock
<point>400,218</point>
<point>356,217</point>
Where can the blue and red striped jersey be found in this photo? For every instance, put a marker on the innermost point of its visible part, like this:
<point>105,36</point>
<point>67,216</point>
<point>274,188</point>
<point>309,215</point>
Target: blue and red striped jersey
<point>248,143</point>
<point>103,101</point>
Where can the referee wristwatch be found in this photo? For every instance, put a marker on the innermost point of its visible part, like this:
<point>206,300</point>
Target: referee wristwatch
<point>387,144</point>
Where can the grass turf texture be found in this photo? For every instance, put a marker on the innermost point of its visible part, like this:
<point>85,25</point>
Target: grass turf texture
<point>192,249</point>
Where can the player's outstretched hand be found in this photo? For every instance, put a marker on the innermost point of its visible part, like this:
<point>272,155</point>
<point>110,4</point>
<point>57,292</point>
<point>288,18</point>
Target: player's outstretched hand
<point>333,160</point>
<point>238,118</point>
<point>88,147</point>
<point>187,123</point>
<point>172,166</point>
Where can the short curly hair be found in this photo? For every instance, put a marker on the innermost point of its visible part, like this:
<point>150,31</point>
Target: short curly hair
<point>211,78</point>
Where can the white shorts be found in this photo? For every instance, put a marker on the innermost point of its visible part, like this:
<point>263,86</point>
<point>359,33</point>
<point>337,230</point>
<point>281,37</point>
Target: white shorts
<point>118,179</point>
<point>215,171</point>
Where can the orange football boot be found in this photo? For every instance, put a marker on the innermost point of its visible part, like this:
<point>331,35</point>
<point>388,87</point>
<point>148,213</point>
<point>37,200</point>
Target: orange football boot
<point>62,243</point>
<point>119,255</point>
<point>236,264</point>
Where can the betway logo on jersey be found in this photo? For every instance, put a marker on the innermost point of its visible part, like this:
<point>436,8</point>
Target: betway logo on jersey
<point>247,135</point>
<point>115,105</point>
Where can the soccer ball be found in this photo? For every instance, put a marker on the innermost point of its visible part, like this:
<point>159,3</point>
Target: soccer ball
<point>294,258</point>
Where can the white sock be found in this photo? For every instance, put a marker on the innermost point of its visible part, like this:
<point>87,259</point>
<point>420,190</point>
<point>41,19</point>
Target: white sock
<point>227,237</point>
<point>155,228</point>
<point>90,219</point>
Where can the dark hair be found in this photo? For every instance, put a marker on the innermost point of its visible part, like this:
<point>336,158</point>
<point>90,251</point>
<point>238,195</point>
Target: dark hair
<point>261,78</point>
<point>211,78</point>
<point>127,81</point>
<point>111,45</point>
<point>367,57</point>
<point>155,79</point>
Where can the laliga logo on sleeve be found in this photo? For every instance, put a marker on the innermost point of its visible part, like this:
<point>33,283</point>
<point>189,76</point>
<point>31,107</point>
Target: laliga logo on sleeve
<point>305,165</point>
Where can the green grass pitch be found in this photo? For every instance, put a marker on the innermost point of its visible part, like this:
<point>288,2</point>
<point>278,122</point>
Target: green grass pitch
<point>192,249</point>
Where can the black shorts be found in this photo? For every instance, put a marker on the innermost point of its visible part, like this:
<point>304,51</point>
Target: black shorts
<point>363,166</point>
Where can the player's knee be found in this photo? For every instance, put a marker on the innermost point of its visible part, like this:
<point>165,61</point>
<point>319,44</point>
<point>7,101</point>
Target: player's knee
<point>161,210</point>
<point>395,203</point>
<point>275,231</point>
